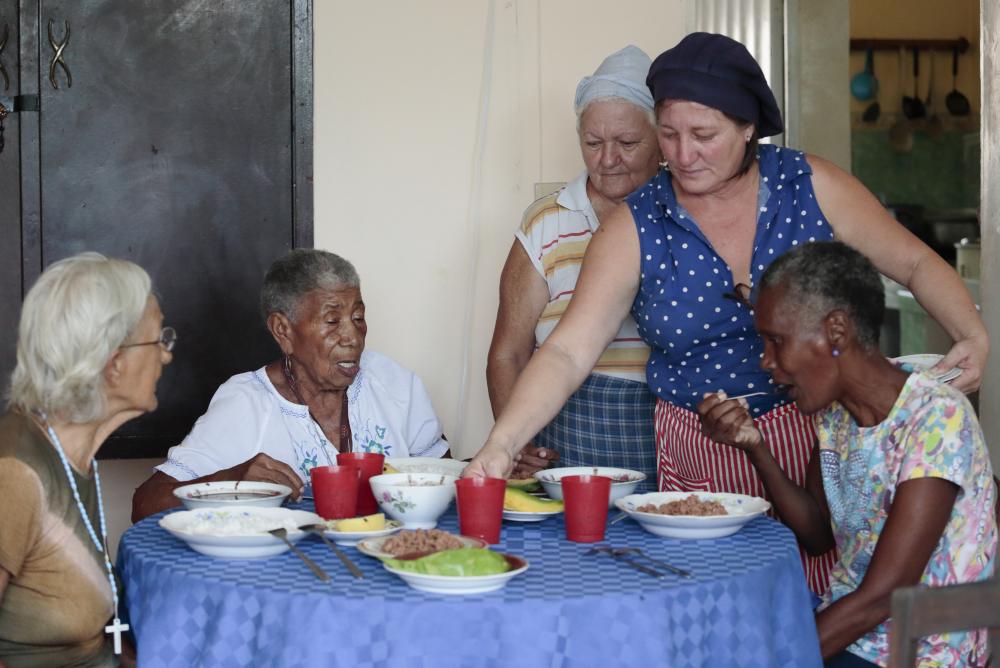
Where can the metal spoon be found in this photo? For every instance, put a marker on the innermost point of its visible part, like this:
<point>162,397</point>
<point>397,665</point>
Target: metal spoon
<point>318,530</point>
<point>283,535</point>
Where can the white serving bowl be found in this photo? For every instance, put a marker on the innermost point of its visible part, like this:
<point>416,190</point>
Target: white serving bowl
<point>415,499</point>
<point>223,544</point>
<point>232,493</point>
<point>623,481</point>
<point>427,465</point>
<point>451,584</point>
<point>741,509</point>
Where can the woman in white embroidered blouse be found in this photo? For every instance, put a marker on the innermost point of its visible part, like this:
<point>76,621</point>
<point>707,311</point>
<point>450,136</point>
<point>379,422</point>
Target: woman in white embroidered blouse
<point>325,394</point>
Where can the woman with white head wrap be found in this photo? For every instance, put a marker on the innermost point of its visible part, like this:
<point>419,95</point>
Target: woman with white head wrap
<point>608,421</point>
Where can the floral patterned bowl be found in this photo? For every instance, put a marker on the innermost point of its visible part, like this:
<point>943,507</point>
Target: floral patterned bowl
<point>415,499</point>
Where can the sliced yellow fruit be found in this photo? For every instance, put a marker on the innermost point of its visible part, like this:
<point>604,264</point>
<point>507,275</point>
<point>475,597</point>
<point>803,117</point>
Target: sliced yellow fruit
<point>516,499</point>
<point>374,522</point>
<point>527,484</point>
<point>389,468</point>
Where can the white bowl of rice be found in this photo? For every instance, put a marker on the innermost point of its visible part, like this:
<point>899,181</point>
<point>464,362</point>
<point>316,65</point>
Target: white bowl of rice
<point>238,532</point>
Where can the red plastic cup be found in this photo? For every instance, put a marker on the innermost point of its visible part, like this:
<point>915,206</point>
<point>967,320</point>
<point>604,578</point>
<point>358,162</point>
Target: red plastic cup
<point>480,507</point>
<point>370,463</point>
<point>335,491</point>
<point>586,506</point>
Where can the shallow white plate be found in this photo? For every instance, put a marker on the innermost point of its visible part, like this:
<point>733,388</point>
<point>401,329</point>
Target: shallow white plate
<point>522,516</point>
<point>451,584</point>
<point>923,362</point>
<point>623,481</point>
<point>373,546</point>
<point>741,510</point>
<point>255,546</point>
<point>232,493</point>
<point>349,538</point>
<point>427,465</point>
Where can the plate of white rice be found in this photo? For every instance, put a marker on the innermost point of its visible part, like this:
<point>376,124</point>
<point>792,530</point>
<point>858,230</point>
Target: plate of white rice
<point>236,532</point>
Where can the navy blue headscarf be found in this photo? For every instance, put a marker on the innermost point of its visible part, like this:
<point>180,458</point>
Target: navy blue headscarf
<point>719,72</point>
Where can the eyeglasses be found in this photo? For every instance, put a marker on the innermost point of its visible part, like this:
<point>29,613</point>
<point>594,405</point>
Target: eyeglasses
<point>168,337</point>
<point>741,294</point>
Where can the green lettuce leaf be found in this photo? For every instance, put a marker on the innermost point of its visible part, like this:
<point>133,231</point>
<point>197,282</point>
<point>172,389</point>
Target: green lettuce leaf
<point>465,561</point>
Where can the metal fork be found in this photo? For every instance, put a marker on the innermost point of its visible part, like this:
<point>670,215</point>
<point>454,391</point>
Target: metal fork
<point>318,530</point>
<point>621,551</point>
<point>626,560</point>
<point>283,535</point>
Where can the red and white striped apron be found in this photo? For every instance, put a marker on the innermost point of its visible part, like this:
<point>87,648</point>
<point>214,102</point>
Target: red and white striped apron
<point>687,461</point>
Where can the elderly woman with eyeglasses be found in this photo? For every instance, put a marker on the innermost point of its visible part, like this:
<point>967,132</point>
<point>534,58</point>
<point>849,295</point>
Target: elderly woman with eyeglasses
<point>609,420</point>
<point>90,350</point>
<point>899,480</point>
<point>678,254</point>
<point>325,394</point>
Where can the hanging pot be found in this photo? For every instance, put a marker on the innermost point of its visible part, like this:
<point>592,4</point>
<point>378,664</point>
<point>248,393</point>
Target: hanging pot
<point>958,104</point>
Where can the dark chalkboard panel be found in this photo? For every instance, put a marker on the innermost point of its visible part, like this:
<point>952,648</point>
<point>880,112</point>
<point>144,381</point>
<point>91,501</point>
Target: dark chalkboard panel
<point>183,144</point>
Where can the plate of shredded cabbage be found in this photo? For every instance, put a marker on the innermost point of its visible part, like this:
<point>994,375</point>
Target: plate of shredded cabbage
<point>462,571</point>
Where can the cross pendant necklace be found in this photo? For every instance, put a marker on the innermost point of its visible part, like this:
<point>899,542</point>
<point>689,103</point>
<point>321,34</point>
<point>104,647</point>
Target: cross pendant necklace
<point>116,627</point>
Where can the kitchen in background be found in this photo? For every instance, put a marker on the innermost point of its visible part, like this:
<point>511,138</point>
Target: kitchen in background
<point>915,139</point>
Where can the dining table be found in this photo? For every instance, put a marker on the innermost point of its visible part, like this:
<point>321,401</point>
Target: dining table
<point>745,603</point>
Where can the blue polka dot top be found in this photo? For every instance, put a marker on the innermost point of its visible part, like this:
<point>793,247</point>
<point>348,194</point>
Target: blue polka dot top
<point>702,337</point>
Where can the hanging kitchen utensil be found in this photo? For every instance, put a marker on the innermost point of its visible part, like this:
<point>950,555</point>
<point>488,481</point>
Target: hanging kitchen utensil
<point>872,111</point>
<point>900,134</point>
<point>958,104</point>
<point>913,107</point>
<point>864,85</point>
<point>935,126</point>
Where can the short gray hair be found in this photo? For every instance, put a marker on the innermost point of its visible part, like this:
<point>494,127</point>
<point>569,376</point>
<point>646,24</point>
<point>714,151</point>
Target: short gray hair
<point>298,273</point>
<point>73,319</point>
<point>825,276</point>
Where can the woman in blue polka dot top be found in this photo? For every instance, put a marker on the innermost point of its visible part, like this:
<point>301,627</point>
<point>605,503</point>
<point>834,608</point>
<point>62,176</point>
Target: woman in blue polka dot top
<point>684,252</point>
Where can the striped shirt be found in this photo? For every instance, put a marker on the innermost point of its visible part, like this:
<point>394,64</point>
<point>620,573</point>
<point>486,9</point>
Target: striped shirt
<point>555,232</point>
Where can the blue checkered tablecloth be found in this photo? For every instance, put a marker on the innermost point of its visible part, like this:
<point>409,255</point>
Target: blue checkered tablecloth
<point>747,605</point>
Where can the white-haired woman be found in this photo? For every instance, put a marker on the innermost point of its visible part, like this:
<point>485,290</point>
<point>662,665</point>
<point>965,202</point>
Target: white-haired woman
<point>608,421</point>
<point>90,350</point>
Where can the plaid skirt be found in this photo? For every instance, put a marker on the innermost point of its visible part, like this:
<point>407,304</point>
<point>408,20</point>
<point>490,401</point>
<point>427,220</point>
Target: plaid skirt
<point>607,422</point>
<point>690,462</point>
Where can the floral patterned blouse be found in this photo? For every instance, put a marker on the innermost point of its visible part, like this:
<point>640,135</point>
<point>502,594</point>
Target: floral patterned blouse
<point>931,432</point>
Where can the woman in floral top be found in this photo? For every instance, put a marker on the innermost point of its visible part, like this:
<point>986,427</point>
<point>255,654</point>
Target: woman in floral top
<point>902,483</point>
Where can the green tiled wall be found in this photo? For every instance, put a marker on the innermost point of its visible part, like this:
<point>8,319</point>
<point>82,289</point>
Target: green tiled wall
<point>940,173</point>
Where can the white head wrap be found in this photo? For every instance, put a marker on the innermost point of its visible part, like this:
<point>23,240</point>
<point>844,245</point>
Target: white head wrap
<point>621,75</point>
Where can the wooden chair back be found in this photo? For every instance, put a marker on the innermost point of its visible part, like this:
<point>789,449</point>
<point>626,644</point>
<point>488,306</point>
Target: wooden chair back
<point>923,611</point>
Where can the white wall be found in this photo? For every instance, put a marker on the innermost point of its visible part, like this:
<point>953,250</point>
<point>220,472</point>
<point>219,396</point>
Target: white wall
<point>989,397</point>
<point>433,120</point>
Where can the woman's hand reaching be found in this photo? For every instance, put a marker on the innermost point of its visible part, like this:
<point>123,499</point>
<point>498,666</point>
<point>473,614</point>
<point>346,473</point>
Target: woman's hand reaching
<point>728,421</point>
<point>970,355</point>
<point>492,461</point>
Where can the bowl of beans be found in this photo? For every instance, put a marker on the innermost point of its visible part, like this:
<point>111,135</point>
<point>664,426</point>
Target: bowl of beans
<point>692,514</point>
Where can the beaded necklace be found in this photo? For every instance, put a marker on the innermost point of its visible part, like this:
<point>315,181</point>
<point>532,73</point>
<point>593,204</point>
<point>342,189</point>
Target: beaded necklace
<point>345,422</point>
<point>101,544</point>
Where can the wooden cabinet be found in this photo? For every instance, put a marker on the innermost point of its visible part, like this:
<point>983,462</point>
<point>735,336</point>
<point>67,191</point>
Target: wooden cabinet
<point>183,143</point>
